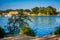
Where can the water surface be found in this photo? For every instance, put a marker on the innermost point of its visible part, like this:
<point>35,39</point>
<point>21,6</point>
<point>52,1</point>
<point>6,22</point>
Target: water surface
<point>42,25</point>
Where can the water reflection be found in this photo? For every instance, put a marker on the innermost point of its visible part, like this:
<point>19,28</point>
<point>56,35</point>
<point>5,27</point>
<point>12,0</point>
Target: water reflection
<point>44,25</point>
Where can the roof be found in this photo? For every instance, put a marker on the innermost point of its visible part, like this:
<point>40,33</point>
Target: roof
<point>13,12</point>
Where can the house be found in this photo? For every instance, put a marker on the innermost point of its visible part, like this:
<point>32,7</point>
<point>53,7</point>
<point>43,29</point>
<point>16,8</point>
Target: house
<point>12,13</point>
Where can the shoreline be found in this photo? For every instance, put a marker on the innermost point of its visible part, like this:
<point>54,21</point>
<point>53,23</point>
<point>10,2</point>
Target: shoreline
<point>24,37</point>
<point>31,15</point>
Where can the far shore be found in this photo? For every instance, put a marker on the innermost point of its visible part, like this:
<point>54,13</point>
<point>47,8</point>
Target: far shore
<point>32,15</point>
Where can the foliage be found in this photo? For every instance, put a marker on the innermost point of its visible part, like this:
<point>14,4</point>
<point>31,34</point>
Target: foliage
<point>51,10</point>
<point>1,11</point>
<point>16,22</point>
<point>35,10</point>
<point>43,10</point>
<point>28,31</point>
<point>27,10</point>
<point>2,32</point>
<point>48,10</point>
<point>20,10</point>
<point>57,31</point>
<point>58,12</point>
<point>8,10</point>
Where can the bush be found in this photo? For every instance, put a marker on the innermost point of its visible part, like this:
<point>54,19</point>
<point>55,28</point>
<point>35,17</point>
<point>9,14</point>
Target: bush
<point>57,31</point>
<point>28,31</point>
<point>2,32</point>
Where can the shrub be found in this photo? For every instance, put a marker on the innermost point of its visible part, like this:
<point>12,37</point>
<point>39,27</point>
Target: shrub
<point>28,31</point>
<point>57,31</point>
<point>2,32</point>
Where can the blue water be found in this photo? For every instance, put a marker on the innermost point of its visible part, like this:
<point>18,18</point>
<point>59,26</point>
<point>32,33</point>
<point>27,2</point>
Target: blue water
<point>42,25</point>
<point>3,22</point>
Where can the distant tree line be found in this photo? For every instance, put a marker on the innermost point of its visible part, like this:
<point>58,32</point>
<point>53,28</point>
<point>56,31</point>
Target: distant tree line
<point>36,10</point>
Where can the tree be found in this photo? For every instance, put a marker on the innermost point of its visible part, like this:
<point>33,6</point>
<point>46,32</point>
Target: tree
<point>58,13</point>
<point>42,10</point>
<point>27,10</point>
<point>1,11</point>
<point>26,30</point>
<point>47,10</point>
<point>51,10</point>
<point>57,31</point>
<point>35,10</point>
<point>21,10</point>
<point>2,32</point>
<point>8,10</point>
<point>16,22</point>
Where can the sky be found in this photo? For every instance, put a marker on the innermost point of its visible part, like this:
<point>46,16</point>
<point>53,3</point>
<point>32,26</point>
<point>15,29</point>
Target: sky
<point>28,4</point>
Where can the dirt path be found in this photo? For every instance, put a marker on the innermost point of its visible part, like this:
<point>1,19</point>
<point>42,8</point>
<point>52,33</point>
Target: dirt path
<point>23,37</point>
